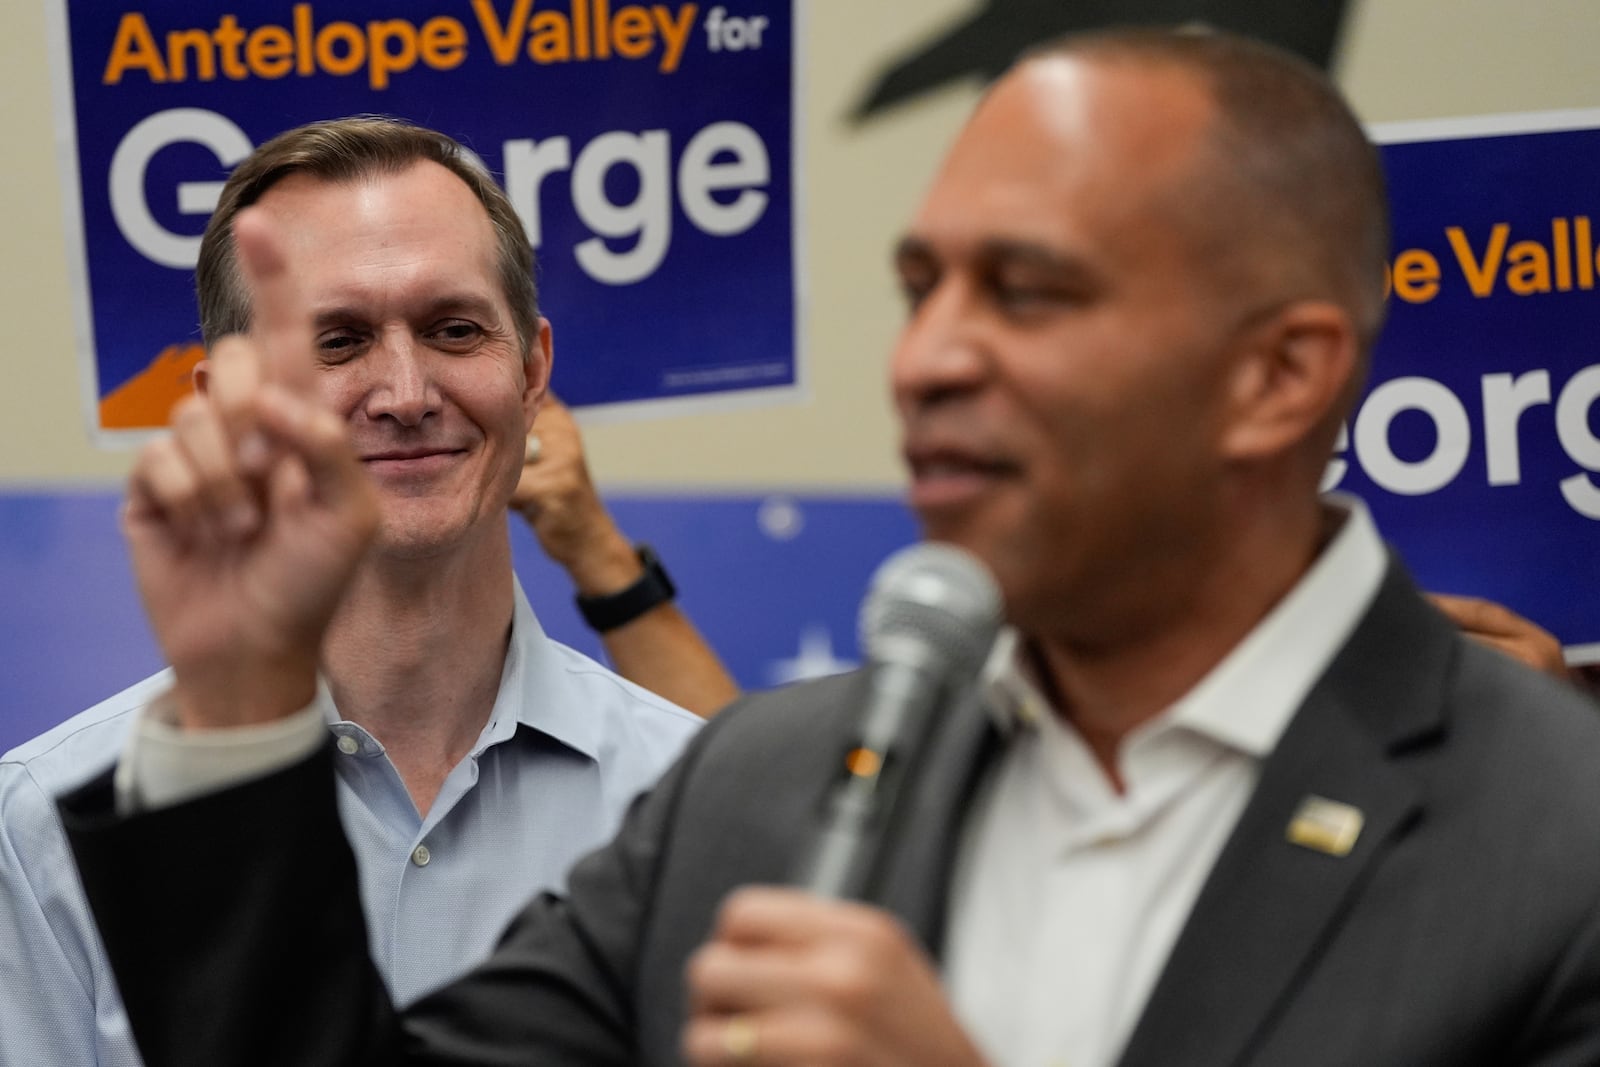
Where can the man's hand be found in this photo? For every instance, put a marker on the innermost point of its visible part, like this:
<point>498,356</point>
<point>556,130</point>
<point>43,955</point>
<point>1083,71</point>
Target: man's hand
<point>789,978</point>
<point>661,649</point>
<point>1503,629</point>
<point>247,521</point>
<point>558,498</point>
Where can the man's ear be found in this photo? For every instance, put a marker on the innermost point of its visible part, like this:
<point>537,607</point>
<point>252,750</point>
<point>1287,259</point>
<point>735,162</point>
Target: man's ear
<point>1294,371</point>
<point>201,376</point>
<point>536,365</point>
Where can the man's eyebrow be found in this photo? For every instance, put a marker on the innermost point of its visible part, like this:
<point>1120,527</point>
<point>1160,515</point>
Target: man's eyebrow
<point>473,304</point>
<point>912,247</point>
<point>1002,251</point>
<point>1061,268</point>
<point>1013,252</point>
<point>441,306</point>
<point>335,315</point>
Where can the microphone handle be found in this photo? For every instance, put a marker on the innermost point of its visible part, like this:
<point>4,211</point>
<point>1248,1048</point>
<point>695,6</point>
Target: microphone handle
<point>861,803</point>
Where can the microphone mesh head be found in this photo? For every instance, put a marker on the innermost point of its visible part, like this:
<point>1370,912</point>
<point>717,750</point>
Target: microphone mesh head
<point>936,597</point>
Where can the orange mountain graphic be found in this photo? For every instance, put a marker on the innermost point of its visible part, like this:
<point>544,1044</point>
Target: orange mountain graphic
<point>144,401</point>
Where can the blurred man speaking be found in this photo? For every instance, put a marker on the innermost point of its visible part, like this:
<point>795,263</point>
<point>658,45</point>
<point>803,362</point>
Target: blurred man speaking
<point>1228,791</point>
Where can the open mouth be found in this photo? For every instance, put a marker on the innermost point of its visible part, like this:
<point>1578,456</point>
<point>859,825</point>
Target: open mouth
<point>943,477</point>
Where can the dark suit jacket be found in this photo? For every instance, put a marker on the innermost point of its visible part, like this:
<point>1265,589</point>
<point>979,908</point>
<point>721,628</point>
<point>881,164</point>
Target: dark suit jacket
<point>1462,929</point>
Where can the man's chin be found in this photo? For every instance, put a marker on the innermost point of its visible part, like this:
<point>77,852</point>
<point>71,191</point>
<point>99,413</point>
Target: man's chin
<point>962,534</point>
<point>402,549</point>
<point>408,536</point>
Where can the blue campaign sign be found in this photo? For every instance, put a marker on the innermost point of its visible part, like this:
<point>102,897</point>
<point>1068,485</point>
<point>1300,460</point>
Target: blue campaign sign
<point>1477,444</point>
<point>648,149</point>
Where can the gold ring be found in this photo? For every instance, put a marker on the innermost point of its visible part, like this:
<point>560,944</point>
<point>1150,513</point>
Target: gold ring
<point>739,1039</point>
<point>533,449</point>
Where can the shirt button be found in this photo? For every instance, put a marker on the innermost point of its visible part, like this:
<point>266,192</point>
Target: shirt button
<point>348,745</point>
<point>420,855</point>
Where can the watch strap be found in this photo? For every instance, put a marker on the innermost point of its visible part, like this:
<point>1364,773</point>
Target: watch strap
<point>652,589</point>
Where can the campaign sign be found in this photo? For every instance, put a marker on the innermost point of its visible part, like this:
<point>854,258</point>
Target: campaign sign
<point>647,147</point>
<point>1477,444</point>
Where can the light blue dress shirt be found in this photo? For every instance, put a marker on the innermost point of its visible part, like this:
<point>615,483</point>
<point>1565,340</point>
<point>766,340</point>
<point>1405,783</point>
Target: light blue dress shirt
<point>567,746</point>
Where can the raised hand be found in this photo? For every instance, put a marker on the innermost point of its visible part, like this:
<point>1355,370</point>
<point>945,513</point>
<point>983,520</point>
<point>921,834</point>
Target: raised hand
<point>1502,629</point>
<point>558,498</point>
<point>661,649</point>
<point>246,522</point>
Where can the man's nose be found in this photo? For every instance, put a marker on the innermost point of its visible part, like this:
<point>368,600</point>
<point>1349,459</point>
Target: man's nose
<point>941,349</point>
<point>403,389</point>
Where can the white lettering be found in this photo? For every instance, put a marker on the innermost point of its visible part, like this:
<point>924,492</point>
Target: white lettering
<point>527,165</point>
<point>1452,436</point>
<point>1504,400</point>
<point>727,158</point>
<point>699,176</point>
<point>733,33</point>
<point>648,216</point>
<point>127,179</point>
<point>1335,471</point>
<point>1578,440</point>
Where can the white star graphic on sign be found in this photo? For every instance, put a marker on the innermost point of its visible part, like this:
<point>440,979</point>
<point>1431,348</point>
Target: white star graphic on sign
<point>814,660</point>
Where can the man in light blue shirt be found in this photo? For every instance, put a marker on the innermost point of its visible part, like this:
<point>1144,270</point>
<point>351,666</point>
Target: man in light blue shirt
<point>477,758</point>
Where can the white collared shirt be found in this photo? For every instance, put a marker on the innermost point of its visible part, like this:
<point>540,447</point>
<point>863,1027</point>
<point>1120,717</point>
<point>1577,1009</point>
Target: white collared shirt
<point>1068,896</point>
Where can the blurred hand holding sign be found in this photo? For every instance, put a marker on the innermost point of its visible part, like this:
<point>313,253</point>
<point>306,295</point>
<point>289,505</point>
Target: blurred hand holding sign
<point>647,147</point>
<point>1478,445</point>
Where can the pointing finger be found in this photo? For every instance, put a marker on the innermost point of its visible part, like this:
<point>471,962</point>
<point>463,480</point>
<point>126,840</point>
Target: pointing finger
<point>320,441</point>
<point>235,379</point>
<point>280,319</point>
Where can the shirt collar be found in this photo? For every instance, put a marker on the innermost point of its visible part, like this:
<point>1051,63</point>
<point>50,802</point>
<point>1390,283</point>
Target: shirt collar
<point>536,691</point>
<point>1246,700</point>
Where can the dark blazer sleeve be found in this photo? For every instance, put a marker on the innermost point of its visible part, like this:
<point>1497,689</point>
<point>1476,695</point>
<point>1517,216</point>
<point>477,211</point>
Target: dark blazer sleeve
<point>234,925</point>
<point>216,914</point>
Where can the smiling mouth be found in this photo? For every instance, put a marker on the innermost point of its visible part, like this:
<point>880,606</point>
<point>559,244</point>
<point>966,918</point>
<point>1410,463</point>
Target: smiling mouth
<point>411,460</point>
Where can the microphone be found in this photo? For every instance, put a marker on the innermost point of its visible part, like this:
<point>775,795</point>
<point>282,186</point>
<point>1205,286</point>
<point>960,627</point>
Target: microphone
<point>927,622</point>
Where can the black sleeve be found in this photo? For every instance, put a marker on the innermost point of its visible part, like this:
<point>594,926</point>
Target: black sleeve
<point>234,925</point>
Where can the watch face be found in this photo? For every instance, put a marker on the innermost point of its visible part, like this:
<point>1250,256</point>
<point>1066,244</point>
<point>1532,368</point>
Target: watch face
<point>654,569</point>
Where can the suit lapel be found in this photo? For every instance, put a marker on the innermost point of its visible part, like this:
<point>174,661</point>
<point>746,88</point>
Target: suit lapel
<point>1269,905</point>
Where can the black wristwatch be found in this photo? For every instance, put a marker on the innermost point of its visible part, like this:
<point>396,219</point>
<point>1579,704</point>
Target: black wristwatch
<point>652,590</point>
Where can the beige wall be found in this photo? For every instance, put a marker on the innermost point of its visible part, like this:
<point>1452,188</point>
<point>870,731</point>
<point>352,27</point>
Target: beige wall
<point>1402,59</point>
